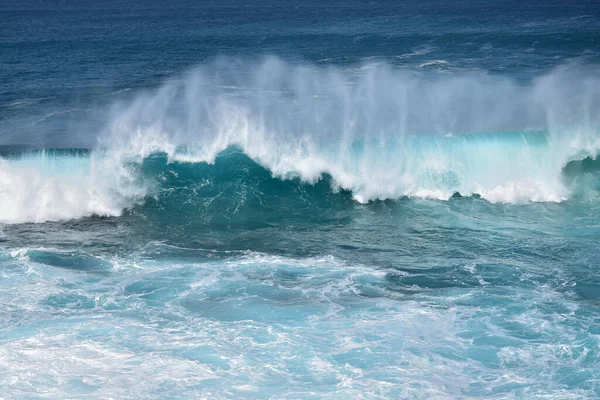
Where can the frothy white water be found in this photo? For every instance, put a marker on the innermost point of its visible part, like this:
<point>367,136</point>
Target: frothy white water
<point>41,187</point>
<point>265,326</point>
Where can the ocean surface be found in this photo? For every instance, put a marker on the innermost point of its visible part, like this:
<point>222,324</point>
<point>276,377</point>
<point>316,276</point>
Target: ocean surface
<point>300,199</point>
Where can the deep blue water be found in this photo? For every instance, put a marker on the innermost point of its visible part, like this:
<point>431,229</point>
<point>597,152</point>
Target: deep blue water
<point>300,200</point>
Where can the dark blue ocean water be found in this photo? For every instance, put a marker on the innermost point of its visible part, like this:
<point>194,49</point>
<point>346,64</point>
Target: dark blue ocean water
<point>299,200</point>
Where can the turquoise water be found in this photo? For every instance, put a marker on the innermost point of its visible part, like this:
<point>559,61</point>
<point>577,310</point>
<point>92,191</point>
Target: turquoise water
<point>299,201</point>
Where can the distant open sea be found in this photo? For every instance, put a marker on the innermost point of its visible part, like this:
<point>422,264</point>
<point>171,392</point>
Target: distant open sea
<point>300,199</point>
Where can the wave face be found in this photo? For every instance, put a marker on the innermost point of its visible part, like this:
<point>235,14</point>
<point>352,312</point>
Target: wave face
<point>374,131</point>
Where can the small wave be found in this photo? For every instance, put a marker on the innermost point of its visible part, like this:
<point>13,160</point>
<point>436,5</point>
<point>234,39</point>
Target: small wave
<point>434,64</point>
<point>421,51</point>
<point>18,103</point>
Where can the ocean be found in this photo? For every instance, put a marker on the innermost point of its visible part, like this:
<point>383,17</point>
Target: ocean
<point>299,200</point>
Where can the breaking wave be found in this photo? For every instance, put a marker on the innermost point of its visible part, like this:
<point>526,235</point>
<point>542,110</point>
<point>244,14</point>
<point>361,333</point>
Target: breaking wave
<point>372,133</point>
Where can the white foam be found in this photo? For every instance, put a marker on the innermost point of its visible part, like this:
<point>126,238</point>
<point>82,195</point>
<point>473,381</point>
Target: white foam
<point>62,365</point>
<point>38,188</point>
